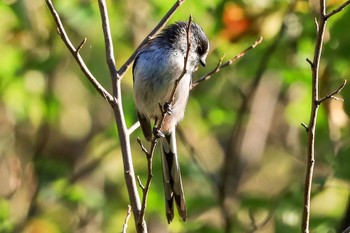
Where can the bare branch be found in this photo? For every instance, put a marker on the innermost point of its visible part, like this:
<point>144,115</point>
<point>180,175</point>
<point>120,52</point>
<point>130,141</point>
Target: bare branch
<point>140,183</point>
<point>331,95</point>
<point>337,10</point>
<point>108,44</point>
<point>81,45</point>
<point>305,126</point>
<point>125,225</point>
<point>315,64</point>
<point>208,76</point>
<point>310,62</point>
<point>184,71</point>
<point>176,83</point>
<point>146,188</point>
<point>228,63</point>
<point>143,148</point>
<point>160,25</point>
<point>133,127</point>
<point>75,52</point>
<point>316,24</point>
<point>255,225</point>
<point>123,133</point>
<point>311,129</point>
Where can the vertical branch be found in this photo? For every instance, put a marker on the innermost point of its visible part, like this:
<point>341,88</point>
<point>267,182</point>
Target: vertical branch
<point>311,128</point>
<point>146,188</point>
<point>117,107</point>
<point>316,101</point>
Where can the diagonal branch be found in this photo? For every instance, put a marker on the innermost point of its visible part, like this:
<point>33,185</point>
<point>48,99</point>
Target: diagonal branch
<point>331,95</point>
<point>337,10</point>
<point>75,52</point>
<point>160,25</point>
<point>228,63</point>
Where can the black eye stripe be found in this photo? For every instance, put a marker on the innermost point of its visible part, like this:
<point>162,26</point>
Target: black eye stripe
<point>202,47</point>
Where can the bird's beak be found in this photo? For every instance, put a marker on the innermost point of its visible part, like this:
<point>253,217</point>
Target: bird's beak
<point>202,61</point>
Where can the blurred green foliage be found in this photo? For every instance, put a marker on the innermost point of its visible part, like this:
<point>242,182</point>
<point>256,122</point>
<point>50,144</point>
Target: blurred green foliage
<point>60,162</point>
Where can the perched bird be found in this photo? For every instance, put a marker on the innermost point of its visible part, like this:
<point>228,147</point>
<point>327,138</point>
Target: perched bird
<point>157,65</point>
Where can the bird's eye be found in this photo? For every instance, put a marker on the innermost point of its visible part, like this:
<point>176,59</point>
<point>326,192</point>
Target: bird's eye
<point>200,50</point>
<point>202,47</point>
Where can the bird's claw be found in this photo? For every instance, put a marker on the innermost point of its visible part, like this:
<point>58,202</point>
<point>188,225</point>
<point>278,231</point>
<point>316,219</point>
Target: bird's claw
<point>157,133</point>
<point>167,108</point>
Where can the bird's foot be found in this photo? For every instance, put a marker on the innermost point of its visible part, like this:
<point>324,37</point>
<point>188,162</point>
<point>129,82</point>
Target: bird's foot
<point>168,108</point>
<point>157,133</point>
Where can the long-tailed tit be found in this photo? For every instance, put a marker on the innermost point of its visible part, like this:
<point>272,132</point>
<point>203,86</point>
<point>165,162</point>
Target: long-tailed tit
<point>158,64</point>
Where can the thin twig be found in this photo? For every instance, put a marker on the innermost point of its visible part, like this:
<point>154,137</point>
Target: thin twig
<point>75,52</point>
<point>228,63</point>
<point>184,70</point>
<point>159,26</point>
<point>310,62</point>
<point>143,148</point>
<point>331,95</point>
<point>133,127</point>
<point>146,188</point>
<point>140,183</point>
<point>255,226</point>
<point>337,10</point>
<point>125,225</point>
<point>81,45</point>
<point>305,126</point>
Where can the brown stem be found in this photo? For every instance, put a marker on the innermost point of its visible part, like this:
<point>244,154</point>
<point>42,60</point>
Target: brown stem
<point>117,107</point>
<point>125,225</point>
<point>315,103</point>
<point>160,25</point>
<point>146,188</point>
<point>228,63</point>
<point>75,52</point>
<point>331,95</point>
<point>337,10</point>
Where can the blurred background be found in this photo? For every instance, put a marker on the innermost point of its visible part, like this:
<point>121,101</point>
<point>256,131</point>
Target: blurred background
<point>242,147</point>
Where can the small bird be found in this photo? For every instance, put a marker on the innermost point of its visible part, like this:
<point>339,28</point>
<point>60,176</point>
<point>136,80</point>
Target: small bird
<point>156,67</point>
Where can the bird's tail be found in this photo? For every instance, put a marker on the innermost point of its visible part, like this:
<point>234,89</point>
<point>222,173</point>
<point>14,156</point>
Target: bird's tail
<point>172,181</point>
